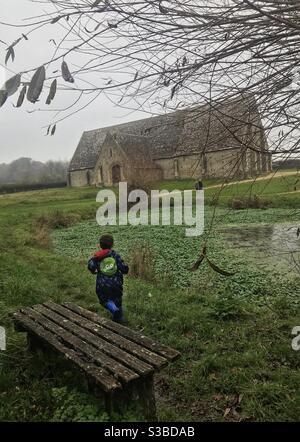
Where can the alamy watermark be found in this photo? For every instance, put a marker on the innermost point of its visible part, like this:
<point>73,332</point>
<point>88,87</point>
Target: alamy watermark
<point>161,207</point>
<point>2,339</point>
<point>296,339</point>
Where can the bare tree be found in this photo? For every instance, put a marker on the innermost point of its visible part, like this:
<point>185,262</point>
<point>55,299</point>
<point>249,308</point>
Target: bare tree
<point>166,55</point>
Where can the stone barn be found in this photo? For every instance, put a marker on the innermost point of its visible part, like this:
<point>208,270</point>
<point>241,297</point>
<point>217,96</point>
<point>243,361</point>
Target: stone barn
<point>224,140</point>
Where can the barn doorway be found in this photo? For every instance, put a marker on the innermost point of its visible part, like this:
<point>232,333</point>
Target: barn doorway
<point>88,178</point>
<point>116,174</point>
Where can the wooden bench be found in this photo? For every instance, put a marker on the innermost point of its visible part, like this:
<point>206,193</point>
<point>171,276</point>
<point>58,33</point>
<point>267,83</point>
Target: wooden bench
<point>114,359</point>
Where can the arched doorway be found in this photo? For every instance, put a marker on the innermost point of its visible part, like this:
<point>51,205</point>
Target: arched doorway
<point>116,174</point>
<point>88,177</point>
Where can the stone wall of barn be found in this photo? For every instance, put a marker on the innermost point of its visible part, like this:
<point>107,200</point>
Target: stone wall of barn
<point>220,164</point>
<point>223,164</point>
<point>228,163</point>
<point>81,178</point>
<point>110,157</point>
<point>114,157</point>
<point>140,176</point>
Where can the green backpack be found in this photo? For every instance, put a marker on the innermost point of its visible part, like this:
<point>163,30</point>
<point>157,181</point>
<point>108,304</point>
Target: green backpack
<point>108,266</point>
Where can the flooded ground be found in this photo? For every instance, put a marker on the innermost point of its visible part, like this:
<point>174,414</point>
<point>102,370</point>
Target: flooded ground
<point>272,244</point>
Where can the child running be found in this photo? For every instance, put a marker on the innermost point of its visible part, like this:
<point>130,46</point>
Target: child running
<point>110,268</point>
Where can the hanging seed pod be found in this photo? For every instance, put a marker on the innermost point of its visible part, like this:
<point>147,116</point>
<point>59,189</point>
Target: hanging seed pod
<point>36,85</point>
<point>12,85</point>
<point>52,92</point>
<point>66,74</point>
<point>10,54</point>
<point>22,96</point>
<point>53,130</point>
<point>3,97</point>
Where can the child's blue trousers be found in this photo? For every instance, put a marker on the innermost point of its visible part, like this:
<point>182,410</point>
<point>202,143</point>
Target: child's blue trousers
<point>105,296</point>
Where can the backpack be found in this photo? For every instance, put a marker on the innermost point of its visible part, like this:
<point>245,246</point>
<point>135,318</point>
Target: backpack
<point>108,266</point>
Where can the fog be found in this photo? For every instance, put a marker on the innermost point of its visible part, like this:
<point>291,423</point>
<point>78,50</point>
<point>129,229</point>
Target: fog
<point>22,134</point>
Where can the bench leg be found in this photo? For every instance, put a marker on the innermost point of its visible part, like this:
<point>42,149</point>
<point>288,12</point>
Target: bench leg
<point>142,391</point>
<point>33,344</point>
<point>147,399</point>
<point>109,403</point>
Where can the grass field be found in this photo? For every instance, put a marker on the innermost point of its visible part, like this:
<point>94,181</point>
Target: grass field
<point>234,333</point>
<point>278,191</point>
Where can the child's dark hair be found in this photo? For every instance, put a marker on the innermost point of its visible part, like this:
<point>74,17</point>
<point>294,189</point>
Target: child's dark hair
<point>106,241</point>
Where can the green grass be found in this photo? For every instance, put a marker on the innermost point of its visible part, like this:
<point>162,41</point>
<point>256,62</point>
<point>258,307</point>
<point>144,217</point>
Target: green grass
<point>279,191</point>
<point>182,184</point>
<point>234,333</point>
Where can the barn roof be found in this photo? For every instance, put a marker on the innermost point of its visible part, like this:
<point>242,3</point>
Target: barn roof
<point>208,127</point>
<point>136,147</point>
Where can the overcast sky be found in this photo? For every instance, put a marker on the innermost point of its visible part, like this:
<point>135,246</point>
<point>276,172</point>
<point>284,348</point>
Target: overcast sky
<point>22,133</point>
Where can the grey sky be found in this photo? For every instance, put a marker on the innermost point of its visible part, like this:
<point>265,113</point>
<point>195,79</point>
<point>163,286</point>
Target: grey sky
<point>22,133</point>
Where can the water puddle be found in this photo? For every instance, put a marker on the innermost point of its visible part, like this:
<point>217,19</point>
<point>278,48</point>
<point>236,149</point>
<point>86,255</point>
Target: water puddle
<point>278,243</point>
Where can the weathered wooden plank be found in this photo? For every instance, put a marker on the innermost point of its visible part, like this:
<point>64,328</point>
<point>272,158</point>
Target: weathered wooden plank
<point>121,372</point>
<point>100,376</point>
<point>109,348</point>
<point>167,352</point>
<point>142,353</point>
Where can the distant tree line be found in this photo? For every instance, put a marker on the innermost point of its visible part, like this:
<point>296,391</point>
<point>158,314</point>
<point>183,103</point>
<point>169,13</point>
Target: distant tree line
<point>292,163</point>
<point>26,171</point>
<point>14,188</point>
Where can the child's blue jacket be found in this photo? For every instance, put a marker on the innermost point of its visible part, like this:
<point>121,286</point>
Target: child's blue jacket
<point>104,282</point>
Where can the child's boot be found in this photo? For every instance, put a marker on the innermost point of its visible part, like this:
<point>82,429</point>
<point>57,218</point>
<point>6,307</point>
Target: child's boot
<point>119,317</point>
<point>111,306</point>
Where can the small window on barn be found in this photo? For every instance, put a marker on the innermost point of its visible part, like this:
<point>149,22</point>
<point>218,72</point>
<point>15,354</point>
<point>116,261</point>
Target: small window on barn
<point>110,150</point>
